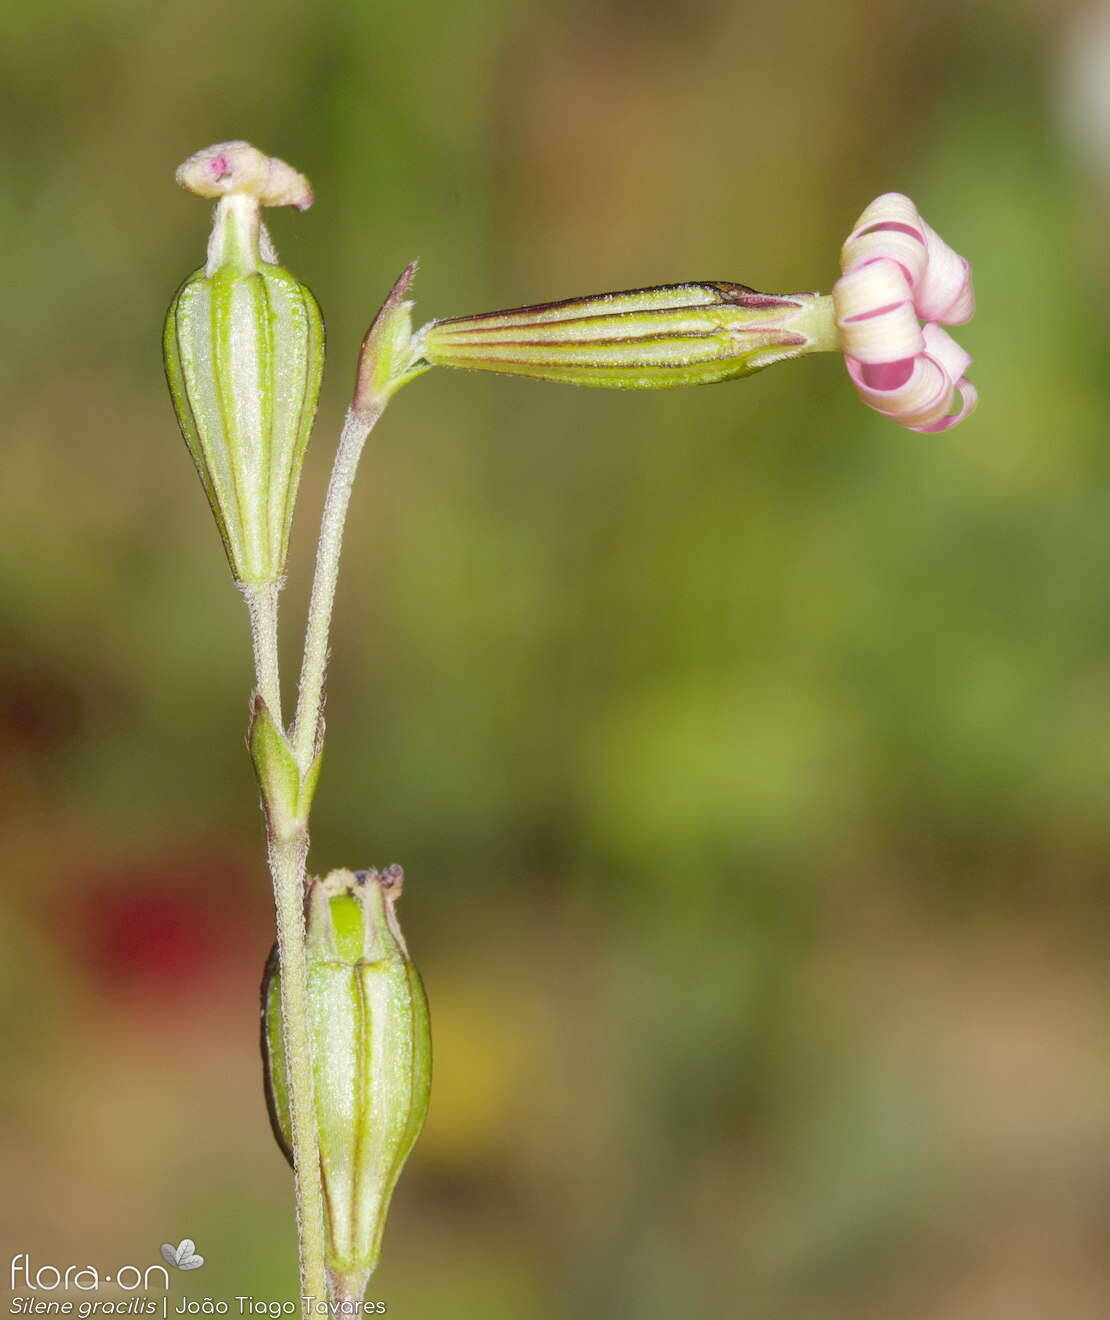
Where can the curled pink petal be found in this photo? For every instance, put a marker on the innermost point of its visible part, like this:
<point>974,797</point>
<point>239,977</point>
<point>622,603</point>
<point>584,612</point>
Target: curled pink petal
<point>890,228</point>
<point>945,293</point>
<point>885,244</point>
<point>893,227</point>
<point>942,348</point>
<point>940,278</point>
<point>874,313</point>
<point>969,396</point>
<point>890,211</point>
<point>896,269</point>
<point>887,375</point>
<point>923,399</point>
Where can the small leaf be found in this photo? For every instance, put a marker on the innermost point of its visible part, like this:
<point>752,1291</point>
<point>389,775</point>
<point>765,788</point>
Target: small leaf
<point>276,768</point>
<point>185,1248</point>
<point>193,1263</point>
<point>169,1254</point>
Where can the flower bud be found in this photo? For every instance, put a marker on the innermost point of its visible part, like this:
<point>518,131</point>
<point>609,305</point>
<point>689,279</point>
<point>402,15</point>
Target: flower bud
<point>390,355</point>
<point>244,353</point>
<point>675,334</point>
<point>371,1046</point>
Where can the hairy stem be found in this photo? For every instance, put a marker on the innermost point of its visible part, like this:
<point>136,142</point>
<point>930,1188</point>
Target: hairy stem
<point>310,693</point>
<point>289,847</point>
<point>262,604</point>
<point>287,866</point>
<point>288,852</point>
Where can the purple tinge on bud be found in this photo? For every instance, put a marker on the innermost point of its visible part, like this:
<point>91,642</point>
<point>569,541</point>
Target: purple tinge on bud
<point>896,270</point>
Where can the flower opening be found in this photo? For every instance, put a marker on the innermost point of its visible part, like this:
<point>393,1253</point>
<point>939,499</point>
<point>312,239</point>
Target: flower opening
<point>898,272</point>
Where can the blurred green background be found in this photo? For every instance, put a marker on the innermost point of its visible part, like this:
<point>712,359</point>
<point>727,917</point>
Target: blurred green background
<point>747,755</point>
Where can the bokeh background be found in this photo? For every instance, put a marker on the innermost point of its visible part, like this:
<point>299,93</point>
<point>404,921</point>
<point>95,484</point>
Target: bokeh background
<point>749,757</point>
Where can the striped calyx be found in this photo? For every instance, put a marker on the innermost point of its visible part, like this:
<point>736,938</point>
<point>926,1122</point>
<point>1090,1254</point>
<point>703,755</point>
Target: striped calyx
<point>371,1048</point>
<point>674,334</point>
<point>244,354</point>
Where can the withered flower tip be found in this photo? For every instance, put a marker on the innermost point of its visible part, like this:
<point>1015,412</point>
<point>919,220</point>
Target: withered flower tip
<point>237,167</point>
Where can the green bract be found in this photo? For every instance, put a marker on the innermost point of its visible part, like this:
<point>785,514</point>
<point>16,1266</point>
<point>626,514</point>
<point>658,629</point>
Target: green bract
<point>244,351</point>
<point>371,1048</point>
<point>675,334</point>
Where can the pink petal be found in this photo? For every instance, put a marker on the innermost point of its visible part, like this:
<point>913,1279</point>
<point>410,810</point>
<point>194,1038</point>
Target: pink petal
<point>875,315</point>
<point>945,293</point>
<point>887,375</point>
<point>970,398</point>
<point>896,269</point>
<point>890,229</point>
<point>942,348</point>
<point>921,401</point>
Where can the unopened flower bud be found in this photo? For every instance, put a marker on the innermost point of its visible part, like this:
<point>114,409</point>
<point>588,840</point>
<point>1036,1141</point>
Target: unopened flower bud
<point>371,1047</point>
<point>675,334</point>
<point>390,355</point>
<point>244,352</point>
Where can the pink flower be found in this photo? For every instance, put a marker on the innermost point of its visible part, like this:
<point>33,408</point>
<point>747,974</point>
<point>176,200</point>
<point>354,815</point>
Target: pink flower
<point>896,269</point>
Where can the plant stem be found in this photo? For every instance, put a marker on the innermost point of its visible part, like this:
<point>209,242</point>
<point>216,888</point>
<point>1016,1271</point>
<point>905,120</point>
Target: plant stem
<point>287,865</point>
<point>262,604</point>
<point>288,851</point>
<point>310,693</point>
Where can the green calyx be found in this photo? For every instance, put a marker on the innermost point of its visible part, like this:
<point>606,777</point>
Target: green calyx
<point>244,355</point>
<point>674,334</point>
<point>371,1047</point>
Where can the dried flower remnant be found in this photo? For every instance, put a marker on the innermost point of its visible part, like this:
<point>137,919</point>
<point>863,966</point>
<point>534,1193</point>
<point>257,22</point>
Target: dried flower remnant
<point>244,352</point>
<point>237,167</point>
<point>897,269</point>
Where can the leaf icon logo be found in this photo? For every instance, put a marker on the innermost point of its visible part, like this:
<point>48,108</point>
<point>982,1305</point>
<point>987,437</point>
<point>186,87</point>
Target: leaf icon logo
<point>183,1256</point>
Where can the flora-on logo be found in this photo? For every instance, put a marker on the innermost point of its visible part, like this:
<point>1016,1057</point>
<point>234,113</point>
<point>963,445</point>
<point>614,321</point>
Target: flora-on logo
<point>85,1278</point>
<point>183,1256</point>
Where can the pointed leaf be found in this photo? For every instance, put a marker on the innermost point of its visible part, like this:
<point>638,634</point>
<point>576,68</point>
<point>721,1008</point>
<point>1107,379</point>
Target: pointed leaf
<point>276,768</point>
